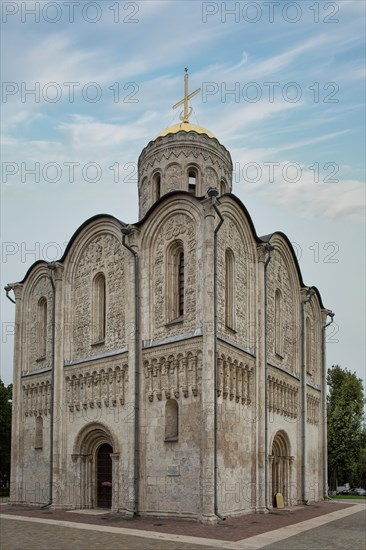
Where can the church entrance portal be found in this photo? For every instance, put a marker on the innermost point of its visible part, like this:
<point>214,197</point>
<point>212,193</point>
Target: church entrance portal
<point>281,465</point>
<point>104,476</point>
<point>96,465</point>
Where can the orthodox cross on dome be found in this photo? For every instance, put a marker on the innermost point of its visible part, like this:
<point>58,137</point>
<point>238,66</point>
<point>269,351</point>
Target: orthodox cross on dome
<point>186,113</point>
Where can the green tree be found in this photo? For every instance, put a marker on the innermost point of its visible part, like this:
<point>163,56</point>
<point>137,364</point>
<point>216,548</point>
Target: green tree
<point>5,432</point>
<point>361,465</point>
<point>345,427</point>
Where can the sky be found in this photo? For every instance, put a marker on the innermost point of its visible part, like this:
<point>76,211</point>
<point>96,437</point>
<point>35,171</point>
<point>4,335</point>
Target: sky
<point>86,85</point>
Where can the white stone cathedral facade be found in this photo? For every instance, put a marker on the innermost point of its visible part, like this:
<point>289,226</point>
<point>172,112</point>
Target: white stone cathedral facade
<point>172,367</point>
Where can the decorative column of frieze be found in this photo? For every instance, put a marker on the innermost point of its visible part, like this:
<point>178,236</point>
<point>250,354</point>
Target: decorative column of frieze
<point>250,385</point>
<point>155,387</point>
<point>289,396</point>
<point>192,373</point>
<point>278,397</point>
<point>292,402</point>
<point>197,368</point>
<point>41,398</point>
<point>82,390</point>
<point>98,389</point>
<point>226,379</point>
<point>282,401</point>
<point>159,393</point>
<point>77,393</point>
<point>244,398</point>
<point>164,377</point>
<point>239,374</point>
<point>269,394</point>
<point>105,388</point>
<point>183,375</point>
<point>69,393</point>
<point>150,392</point>
<point>40,403</point>
<point>89,391</point>
<point>317,411</point>
<point>287,399</point>
<point>175,378</point>
<point>310,409</point>
<point>167,388</point>
<point>120,385</point>
<point>232,380</point>
<point>34,400</point>
<point>112,387</point>
<point>94,390</point>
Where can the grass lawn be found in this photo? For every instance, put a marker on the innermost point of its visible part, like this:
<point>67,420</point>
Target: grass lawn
<point>347,497</point>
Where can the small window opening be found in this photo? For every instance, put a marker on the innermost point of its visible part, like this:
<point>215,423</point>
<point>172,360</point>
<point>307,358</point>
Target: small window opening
<point>192,182</point>
<point>171,420</point>
<point>157,187</point>
<point>38,443</point>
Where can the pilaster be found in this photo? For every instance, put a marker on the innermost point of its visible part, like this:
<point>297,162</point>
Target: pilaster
<point>207,448</point>
<point>261,451</point>
<point>17,424</point>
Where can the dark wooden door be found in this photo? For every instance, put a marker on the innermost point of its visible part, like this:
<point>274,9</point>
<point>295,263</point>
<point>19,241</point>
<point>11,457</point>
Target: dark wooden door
<point>104,476</point>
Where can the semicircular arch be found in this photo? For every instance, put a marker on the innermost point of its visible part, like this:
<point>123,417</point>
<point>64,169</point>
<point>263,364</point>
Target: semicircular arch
<point>92,436</point>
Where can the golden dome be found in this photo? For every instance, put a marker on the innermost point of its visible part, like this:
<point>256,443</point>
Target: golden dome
<point>186,127</point>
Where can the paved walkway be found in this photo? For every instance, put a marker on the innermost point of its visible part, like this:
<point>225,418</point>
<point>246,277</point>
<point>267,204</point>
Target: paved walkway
<point>24,528</point>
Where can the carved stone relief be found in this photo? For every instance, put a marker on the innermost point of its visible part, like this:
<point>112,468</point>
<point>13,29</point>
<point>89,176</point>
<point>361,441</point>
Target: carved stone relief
<point>282,397</point>
<point>94,389</point>
<point>37,398</point>
<point>174,375</point>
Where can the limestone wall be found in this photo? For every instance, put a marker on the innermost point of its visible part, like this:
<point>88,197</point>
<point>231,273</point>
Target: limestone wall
<point>34,453</point>
<point>171,466</point>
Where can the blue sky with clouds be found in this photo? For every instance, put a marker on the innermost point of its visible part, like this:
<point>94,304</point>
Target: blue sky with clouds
<point>282,88</point>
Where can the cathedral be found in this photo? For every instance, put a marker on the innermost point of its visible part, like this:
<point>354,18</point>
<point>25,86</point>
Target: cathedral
<point>174,366</point>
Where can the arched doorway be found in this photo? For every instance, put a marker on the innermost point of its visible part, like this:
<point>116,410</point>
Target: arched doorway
<point>104,476</point>
<point>96,465</point>
<point>281,467</point>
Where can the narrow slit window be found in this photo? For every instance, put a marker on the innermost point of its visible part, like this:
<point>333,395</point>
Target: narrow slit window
<point>229,289</point>
<point>175,280</point>
<point>181,284</point>
<point>308,346</point>
<point>99,308</point>
<point>42,328</point>
<point>278,323</point>
<point>157,187</point>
